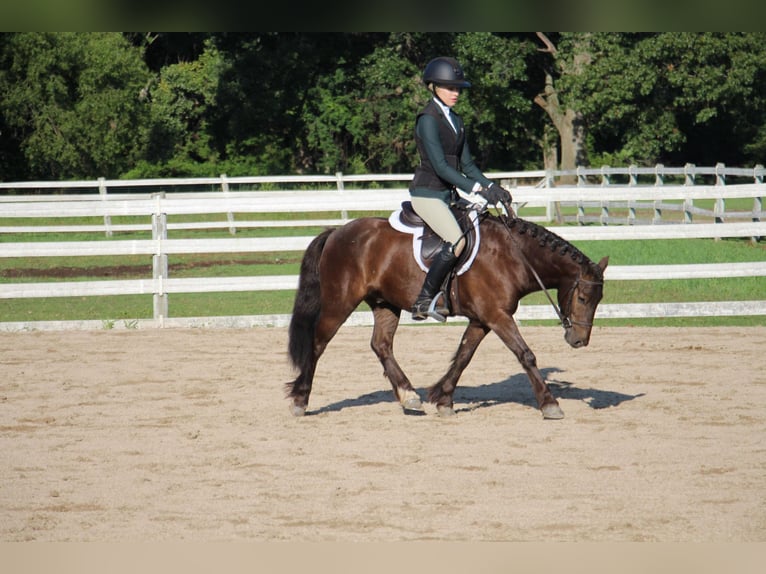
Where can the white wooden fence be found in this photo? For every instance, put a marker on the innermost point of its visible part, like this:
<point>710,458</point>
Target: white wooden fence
<point>339,196</point>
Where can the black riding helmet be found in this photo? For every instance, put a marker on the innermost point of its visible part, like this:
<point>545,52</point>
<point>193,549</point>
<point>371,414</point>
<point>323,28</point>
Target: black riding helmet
<point>445,72</point>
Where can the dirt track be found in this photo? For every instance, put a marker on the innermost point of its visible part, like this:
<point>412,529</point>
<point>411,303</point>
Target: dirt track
<point>185,434</point>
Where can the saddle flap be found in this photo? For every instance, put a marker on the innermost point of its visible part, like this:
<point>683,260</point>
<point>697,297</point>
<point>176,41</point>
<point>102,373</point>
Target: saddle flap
<point>426,243</point>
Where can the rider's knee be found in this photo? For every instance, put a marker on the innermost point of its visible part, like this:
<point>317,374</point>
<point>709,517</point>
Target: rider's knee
<point>457,249</point>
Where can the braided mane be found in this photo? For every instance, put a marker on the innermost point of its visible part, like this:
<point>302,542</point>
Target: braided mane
<point>554,242</point>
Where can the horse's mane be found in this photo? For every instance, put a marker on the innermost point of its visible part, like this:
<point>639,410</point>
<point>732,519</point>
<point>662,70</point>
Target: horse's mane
<point>554,242</point>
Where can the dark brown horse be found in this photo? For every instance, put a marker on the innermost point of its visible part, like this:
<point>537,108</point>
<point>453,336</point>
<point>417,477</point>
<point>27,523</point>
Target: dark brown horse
<point>367,260</point>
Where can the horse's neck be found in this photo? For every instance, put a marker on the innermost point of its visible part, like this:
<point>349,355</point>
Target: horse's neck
<point>551,258</point>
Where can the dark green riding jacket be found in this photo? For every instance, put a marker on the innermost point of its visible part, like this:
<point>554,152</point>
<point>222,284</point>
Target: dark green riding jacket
<point>445,160</point>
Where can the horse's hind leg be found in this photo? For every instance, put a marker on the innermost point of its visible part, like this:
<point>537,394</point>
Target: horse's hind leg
<point>300,389</point>
<point>441,393</point>
<point>382,343</point>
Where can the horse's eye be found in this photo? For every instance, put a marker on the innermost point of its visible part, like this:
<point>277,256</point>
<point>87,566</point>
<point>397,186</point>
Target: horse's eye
<point>581,299</point>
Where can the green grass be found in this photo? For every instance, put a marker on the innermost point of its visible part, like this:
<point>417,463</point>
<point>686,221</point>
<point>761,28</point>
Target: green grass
<point>127,308</point>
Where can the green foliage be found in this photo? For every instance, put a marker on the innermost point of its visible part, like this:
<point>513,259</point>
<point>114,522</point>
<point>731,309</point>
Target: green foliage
<point>362,118</point>
<point>389,99</point>
<point>500,119</point>
<point>672,97</point>
<point>182,103</point>
<point>364,123</point>
<point>74,102</point>
<point>83,105</point>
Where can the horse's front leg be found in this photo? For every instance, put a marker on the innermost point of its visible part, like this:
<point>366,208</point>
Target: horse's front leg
<point>382,343</point>
<point>441,393</point>
<point>508,331</point>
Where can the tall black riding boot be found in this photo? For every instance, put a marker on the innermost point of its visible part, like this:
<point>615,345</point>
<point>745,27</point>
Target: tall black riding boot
<point>425,304</point>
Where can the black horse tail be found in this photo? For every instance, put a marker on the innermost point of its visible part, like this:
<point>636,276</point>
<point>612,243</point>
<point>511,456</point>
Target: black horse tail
<point>307,306</point>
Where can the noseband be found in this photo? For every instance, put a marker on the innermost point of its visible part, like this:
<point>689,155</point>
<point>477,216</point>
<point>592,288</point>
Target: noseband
<point>566,322</point>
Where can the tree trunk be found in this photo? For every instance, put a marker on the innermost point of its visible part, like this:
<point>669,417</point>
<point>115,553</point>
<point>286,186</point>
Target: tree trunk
<point>570,130</point>
<point>550,145</point>
<point>572,134</point>
<point>568,122</point>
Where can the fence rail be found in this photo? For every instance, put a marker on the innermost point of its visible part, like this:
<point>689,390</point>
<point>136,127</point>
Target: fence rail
<point>606,190</point>
<point>290,282</point>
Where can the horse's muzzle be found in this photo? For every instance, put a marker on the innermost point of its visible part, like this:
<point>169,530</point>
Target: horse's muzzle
<point>576,339</point>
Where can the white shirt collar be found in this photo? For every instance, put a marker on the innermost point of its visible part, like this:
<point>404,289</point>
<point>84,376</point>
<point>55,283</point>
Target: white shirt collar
<point>446,110</point>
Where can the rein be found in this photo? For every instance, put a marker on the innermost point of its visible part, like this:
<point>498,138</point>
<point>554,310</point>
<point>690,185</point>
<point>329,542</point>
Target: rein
<point>565,321</point>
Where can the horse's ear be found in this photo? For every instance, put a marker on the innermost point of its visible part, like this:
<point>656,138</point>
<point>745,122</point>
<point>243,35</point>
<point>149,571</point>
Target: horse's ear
<point>604,262</point>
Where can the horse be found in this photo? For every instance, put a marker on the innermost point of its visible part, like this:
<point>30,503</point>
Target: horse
<point>368,260</point>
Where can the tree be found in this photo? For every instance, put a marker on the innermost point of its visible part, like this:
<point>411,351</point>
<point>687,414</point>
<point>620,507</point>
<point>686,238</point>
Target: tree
<point>502,126</point>
<point>73,102</point>
<point>569,151</point>
<point>76,105</point>
<point>182,105</point>
<point>361,117</point>
<point>674,97</point>
<point>271,81</point>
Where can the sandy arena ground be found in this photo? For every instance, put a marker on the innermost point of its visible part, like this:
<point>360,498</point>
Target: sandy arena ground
<point>184,434</point>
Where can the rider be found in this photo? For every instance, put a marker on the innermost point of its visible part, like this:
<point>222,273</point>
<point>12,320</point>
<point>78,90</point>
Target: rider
<point>445,164</point>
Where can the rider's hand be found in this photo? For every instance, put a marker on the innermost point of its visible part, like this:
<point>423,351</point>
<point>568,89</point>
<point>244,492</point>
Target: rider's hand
<point>505,193</point>
<point>495,194</point>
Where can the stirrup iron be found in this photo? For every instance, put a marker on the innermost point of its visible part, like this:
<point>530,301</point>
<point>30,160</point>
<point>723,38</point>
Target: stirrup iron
<point>433,313</point>
<point>419,315</point>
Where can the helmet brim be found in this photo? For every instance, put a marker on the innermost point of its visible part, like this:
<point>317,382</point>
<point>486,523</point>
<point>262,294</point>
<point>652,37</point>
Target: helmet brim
<point>453,83</point>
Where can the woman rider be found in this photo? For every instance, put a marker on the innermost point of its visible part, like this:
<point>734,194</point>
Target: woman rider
<point>445,164</point>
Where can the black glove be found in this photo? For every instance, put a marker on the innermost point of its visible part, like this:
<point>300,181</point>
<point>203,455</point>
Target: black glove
<point>505,193</point>
<point>495,194</point>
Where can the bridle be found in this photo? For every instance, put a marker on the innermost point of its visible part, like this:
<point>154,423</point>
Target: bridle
<point>565,321</point>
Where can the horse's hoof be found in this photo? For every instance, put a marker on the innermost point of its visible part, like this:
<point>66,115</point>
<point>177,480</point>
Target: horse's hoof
<point>413,404</point>
<point>297,411</point>
<point>552,411</point>
<point>445,411</point>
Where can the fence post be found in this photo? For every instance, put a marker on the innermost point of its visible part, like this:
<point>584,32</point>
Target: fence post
<point>720,203</point>
<point>107,217</point>
<point>341,188</point>
<point>229,215</point>
<point>688,203</point>
<point>632,182</point>
<point>552,206</point>
<point>582,178</point>
<point>605,182</point>
<point>757,201</point>
<point>159,259</point>
<point>659,179</point>
<point>580,206</point>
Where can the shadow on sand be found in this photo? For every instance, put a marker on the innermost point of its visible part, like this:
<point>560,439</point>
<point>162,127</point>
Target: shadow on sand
<point>515,389</point>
